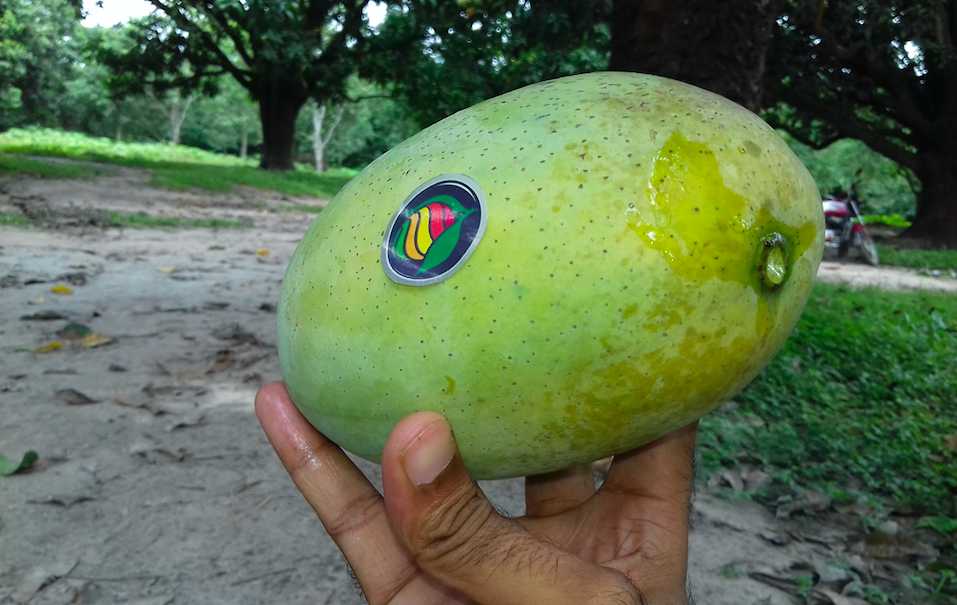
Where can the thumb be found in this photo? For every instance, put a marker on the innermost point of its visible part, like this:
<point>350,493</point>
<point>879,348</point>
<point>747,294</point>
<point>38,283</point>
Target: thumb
<point>455,535</point>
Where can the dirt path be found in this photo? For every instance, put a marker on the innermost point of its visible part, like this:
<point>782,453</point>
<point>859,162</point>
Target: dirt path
<point>156,485</point>
<point>858,275</point>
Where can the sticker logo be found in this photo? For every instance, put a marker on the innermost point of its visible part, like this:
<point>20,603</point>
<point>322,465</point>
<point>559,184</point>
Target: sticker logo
<point>435,231</point>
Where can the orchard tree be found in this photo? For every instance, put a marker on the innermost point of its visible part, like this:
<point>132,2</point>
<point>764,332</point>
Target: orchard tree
<point>283,53</point>
<point>719,46</point>
<point>456,54</point>
<point>884,72</point>
<point>38,52</point>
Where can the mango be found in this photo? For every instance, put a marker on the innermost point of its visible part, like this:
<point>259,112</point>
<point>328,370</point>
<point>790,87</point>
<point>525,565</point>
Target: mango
<point>565,272</point>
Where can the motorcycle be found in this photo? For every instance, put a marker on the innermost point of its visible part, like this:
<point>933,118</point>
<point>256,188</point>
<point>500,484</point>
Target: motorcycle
<point>844,231</point>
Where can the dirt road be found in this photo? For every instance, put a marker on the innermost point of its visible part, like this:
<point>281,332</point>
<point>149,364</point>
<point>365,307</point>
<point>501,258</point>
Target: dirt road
<point>156,485</point>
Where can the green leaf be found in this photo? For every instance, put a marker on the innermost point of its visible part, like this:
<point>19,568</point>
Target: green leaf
<point>399,247</point>
<point>9,468</point>
<point>942,525</point>
<point>442,247</point>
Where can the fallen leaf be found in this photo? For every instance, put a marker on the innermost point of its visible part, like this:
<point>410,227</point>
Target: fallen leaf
<point>951,442</point>
<point>776,538</point>
<point>153,453</point>
<point>74,331</point>
<point>62,289</point>
<point>167,269</point>
<point>733,479</point>
<point>40,577</point>
<point>8,467</point>
<point>235,332</point>
<point>942,525</point>
<point>77,278</point>
<point>148,407</point>
<point>755,479</point>
<point>74,397</point>
<point>262,252</point>
<point>807,502</point>
<point>53,345</point>
<point>94,340</point>
<point>187,421</point>
<point>64,500</point>
<point>60,372</point>
<point>223,360</point>
<point>835,598</point>
<point>43,316</point>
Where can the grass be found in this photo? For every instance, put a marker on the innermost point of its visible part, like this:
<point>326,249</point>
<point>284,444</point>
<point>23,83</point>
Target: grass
<point>890,220</point>
<point>172,166</point>
<point>141,220</point>
<point>942,260</point>
<point>37,168</point>
<point>15,220</point>
<point>859,403</point>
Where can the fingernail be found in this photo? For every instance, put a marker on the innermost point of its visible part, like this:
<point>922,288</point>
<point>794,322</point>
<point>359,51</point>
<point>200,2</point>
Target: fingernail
<point>429,453</point>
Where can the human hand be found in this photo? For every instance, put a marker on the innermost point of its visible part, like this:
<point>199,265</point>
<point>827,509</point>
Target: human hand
<point>434,538</point>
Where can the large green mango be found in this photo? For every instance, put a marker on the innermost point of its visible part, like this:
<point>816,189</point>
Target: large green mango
<point>647,247</point>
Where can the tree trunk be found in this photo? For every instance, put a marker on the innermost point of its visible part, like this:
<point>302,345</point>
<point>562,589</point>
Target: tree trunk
<point>318,147</point>
<point>936,220</point>
<point>278,108</point>
<point>320,141</point>
<point>177,115</point>
<point>719,46</point>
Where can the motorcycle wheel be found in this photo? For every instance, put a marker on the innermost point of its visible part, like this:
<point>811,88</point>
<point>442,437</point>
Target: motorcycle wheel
<point>869,251</point>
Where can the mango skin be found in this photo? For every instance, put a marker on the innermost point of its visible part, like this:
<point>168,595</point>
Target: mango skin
<point>617,294</point>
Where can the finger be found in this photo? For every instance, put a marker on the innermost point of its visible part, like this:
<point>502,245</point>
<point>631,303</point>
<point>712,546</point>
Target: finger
<point>662,469</point>
<point>652,487</point>
<point>554,493</point>
<point>455,535</point>
<point>349,507</point>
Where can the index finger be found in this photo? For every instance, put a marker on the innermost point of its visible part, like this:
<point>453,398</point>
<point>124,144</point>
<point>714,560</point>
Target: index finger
<point>348,505</point>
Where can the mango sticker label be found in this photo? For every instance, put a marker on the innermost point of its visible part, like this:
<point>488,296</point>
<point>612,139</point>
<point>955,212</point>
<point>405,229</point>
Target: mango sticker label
<point>435,231</point>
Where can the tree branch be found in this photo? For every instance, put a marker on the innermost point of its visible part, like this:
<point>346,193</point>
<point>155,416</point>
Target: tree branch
<point>335,124</point>
<point>368,97</point>
<point>863,59</point>
<point>181,20</point>
<point>225,27</point>
<point>848,125</point>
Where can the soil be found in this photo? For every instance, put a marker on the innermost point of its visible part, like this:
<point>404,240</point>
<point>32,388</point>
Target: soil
<point>155,483</point>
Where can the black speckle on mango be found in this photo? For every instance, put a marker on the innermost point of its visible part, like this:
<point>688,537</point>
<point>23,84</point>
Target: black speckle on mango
<point>622,288</point>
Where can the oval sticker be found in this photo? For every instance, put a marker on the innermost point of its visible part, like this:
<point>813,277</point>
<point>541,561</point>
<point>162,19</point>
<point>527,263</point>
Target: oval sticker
<point>435,231</point>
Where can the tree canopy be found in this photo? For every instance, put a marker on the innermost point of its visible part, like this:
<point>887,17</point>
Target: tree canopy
<point>282,53</point>
<point>883,72</point>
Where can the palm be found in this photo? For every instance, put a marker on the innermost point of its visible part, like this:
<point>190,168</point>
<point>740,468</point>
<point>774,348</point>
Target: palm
<point>636,523</point>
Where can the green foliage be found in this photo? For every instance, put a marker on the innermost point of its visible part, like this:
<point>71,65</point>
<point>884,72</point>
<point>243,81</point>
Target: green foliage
<point>37,168</point>
<point>38,53</point>
<point>172,166</point>
<point>942,525</point>
<point>10,467</point>
<point>942,260</point>
<point>880,185</point>
<point>888,220</point>
<point>57,143</point>
<point>141,220</point>
<point>455,54</point>
<point>300,182</point>
<point>849,403</point>
<point>10,219</point>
